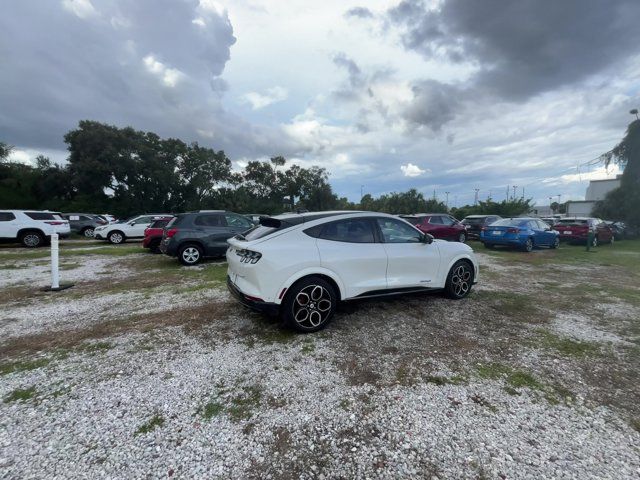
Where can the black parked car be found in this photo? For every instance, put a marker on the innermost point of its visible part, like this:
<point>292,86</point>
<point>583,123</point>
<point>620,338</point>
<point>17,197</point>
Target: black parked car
<point>474,223</point>
<point>84,223</point>
<point>193,236</point>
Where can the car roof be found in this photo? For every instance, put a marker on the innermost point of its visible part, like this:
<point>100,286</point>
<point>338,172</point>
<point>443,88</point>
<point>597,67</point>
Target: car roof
<point>483,216</point>
<point>298,218</point>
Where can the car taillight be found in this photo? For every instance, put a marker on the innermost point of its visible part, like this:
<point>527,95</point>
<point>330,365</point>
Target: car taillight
<point>513,230</point>
<point>102,222</point>
<point>55,223</point>
<point>484,229</point>
<point>146,232</point>
<point>248,256</point>
<point>171,232</point>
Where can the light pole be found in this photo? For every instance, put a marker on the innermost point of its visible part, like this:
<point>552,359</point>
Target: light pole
<point>447,201</point>
<point>514,191</point>
<point>475,200</point>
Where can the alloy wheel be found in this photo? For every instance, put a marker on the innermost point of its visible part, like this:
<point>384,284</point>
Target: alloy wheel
<point>115,238</point>
<point>595,242</point>
<point>312,306</point>
<point>88,233</point>
<point>462,238</point>
<point>31,240</point>
<point>461,280</point>
<point>528,246</point>
<point>190,255</point>
<point>556,243</point>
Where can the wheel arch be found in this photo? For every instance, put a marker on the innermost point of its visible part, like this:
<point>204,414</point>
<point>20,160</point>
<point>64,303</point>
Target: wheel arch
<point>466,258</point>
<point>22,231</point>
<point>323,273</point>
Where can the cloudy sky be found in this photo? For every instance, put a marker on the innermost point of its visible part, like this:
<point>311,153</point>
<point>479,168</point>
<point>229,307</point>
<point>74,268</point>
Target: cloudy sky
<point>448,95</point>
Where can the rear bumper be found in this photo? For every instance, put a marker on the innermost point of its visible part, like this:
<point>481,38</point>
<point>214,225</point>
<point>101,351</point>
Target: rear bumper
<point>149,241</point>
<point>573,238</point>
<point>499,240</point>
<point>249,302</point>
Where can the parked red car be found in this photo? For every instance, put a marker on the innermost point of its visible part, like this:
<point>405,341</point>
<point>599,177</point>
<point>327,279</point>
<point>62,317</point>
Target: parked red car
<point>153,234</point>
<point>440,225</point>
<point>576,230</point>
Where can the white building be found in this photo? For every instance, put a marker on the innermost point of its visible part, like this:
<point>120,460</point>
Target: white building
<point>596,191</point>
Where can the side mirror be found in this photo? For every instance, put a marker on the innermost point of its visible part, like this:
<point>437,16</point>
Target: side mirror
<point>132,223</point>
<point>427,238</point>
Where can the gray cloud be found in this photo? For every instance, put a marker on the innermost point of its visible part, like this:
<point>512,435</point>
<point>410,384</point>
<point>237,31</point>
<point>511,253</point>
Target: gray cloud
<point>522,48</point>
<point>434,104</point>
<point>358,12</point>
<point>151,64</point>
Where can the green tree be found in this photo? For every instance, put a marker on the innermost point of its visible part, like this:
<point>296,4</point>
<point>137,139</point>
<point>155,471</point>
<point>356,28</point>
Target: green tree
<point>623,203</point>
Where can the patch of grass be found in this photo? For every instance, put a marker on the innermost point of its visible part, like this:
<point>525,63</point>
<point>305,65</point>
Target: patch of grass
<point>211,409</point>
<point>12,266</point>
<point>154,422</point>
<point>23,365</point>
<point>441,381</point>
<point>635,424</point>
<point>566,346</point>
<point>308,346</point>
<point>345,404</point>
<point>243,404</point>
<point>512,304</point>
<point>514,378</point>
<point>20,395</point>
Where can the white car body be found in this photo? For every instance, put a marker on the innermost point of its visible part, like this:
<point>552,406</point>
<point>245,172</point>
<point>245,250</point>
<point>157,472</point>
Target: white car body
<point>357,269</point>
<point>14,225</point>
<point>132,228</point>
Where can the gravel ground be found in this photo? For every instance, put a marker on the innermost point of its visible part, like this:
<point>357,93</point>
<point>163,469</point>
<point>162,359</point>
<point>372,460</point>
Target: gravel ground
<point>163,381</point>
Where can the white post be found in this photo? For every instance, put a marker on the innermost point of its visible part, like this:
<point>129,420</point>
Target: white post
<point>55,274</point>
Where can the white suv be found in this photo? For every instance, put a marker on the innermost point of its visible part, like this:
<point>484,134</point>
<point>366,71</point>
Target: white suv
<point>301,265</point>
<point>32,228</point>
<point>134,227</point>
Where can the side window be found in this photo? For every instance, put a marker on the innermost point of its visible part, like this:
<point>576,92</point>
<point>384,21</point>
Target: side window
<point>140,220</point>
<point>446,220</point>
<point>209,221</point>
<point>7,216</point>
<point>40,215</point>
<point>394,231</point>
<point>237,221</point>
<point>355,230</point>
<point>436,220</point>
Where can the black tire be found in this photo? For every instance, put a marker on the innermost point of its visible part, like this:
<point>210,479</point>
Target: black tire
<point>594,243</point>
<point>459,280</point>
<point>556,243</point>
<point>528,245</point>
<point>116,237</point>
<point>32,239</point>
<point>190,254</point>
<point>462,238</point>
<point>309,305</point>
<point>489,245</point>
<point>87,232</point>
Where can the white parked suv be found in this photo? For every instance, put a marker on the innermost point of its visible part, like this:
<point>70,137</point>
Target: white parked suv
<point>133,228</point>
<point>32,228</point>
<point>301,265</point>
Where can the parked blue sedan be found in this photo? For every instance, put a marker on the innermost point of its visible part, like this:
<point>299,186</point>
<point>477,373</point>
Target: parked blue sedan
<point>523,233</point>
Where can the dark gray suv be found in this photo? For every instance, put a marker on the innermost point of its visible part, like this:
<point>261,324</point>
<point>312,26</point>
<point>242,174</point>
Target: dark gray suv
<point>193,236</point>
<point>84,223</point>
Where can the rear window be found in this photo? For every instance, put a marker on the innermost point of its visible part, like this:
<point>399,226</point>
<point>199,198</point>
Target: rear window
<point>353,230</point>
<point>473,221</point>
<point>509,222</point>
<point>210,221</point>
<point>6,216</point>
<point>175,221</point>
<point>41,216</point>
<point>259,231</point>
<point>159,223</point>
<point>573,222</point>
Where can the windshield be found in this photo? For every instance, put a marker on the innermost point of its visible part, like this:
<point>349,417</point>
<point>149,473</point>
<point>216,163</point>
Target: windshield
<point>412,220</point>
<point>473,221</point>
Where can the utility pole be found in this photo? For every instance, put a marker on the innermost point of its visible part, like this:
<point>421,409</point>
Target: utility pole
<point>514,191</point>
<point>434,194</point>
<point>489,196</point>
<point>361,192</point>
<point>507,198</point>
<point>522,193</point>
<point>475,200</point>
<point>447,201</point>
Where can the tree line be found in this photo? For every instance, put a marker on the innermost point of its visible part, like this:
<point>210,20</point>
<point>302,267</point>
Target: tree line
<point>125,171</point>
